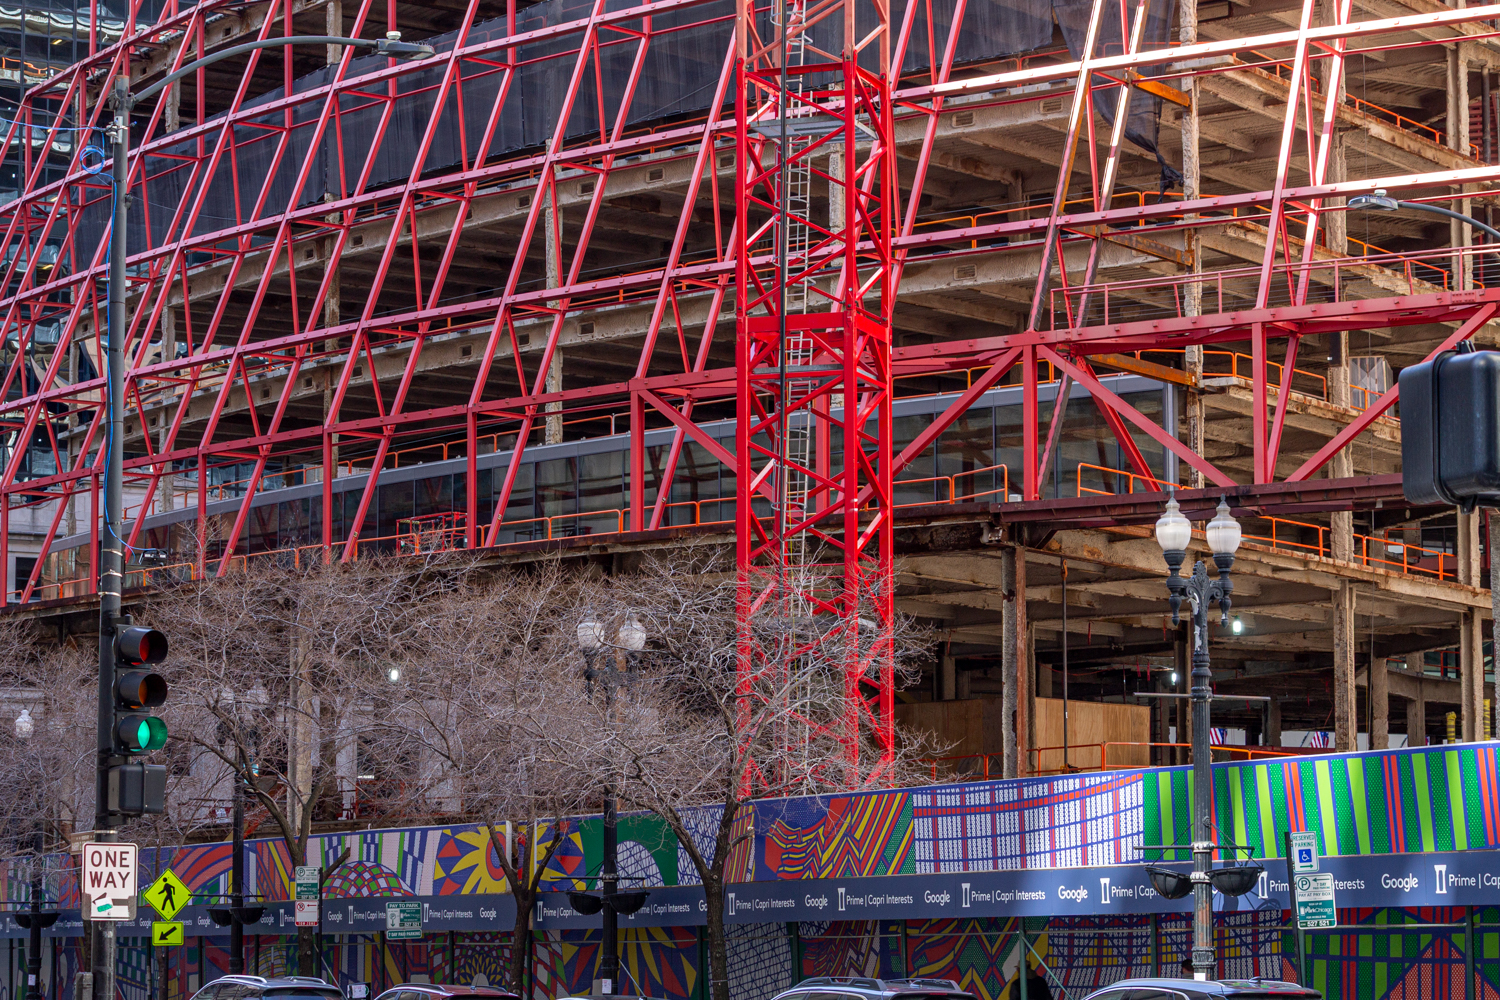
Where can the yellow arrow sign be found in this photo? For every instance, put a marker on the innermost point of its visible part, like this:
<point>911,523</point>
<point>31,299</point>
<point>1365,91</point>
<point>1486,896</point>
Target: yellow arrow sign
<point>168,894</point>
<point>165,933</point>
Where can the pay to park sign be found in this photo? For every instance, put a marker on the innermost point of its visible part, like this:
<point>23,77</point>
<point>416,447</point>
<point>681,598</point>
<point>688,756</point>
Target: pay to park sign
<point>108,881</point>
<point>305,909</point>
<point>1316,906</point>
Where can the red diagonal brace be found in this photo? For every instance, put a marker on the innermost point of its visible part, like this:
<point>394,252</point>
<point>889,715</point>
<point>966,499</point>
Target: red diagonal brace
<point>1103,395</point>
<point>1386,401</point>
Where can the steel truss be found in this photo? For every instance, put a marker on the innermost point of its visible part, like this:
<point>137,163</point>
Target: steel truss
<point>812,301</point>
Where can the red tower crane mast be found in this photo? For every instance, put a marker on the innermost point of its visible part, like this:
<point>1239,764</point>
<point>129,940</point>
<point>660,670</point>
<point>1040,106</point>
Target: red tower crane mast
<point>813,302</point>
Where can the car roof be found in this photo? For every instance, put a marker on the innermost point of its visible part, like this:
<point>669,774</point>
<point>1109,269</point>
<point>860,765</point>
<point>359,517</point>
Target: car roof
<point>1215,987</point>
<point>274,981</point>
<point>454,989</point>
<point>865,984</point>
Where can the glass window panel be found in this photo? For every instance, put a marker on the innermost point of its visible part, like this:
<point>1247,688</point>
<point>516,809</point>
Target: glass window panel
<point>695,486</point>
<point>915,483</point>
<point>351,510</point>
<point>557,490</point>
<point>295,527</point>
<point>433,496</point>
<point>601,479</point>
<point>262,527</point>
<point>519,523</point>
<point>966,454</point>
<point>397,504</point>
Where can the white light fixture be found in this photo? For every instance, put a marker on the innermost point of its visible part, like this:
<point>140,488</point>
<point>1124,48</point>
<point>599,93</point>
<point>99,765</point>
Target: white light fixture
<point>1173,531</point>
<point>632,635</point>
<point>1223,532</point>
<point>1174,678</point>
<point>590,635</point>
<point>25,726</point>
<point>393,674</point>
<point>1237,626</point>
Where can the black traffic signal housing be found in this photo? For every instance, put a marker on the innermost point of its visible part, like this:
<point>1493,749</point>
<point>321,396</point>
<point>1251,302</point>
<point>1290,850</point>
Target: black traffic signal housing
<point>137,788</point>
<point>1450,429</point>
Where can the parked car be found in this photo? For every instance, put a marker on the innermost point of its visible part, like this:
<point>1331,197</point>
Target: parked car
<point>277,988</point>
<point>1190,989</point>
<point>440,991</point>
<point>862,988</point>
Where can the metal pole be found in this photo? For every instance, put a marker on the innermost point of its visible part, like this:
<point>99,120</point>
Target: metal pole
<point>237,878</point>
<point>1065,667</point>
<point>609,965</point>
<point>609,961</point>
<point>1203,900</point>
<point>111,547</point>
<point>1471,939</point>
<point>34,936</point>
<point>1291,886</point>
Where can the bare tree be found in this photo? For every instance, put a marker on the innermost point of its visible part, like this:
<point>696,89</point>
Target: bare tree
<point>488,701</point>
<point>707,715</point>
<point>283,680</point>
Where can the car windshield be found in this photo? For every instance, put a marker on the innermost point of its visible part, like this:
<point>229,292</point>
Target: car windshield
<point>934,995</point>
<point>301,993</point>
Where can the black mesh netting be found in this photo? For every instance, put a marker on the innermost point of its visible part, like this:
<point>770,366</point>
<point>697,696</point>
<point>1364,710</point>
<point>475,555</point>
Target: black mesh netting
<point>677,80</point>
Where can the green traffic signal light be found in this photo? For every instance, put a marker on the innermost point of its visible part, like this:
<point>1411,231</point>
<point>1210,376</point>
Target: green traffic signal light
<point>140,733</point>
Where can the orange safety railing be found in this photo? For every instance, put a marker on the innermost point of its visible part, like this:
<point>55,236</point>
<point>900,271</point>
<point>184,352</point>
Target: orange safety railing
<point>951,482</point>
<point>1131,478</point>
<point>1136,750</point>
<point>1283,72</point>
<point>988,765</point>
<point>1303,537</point>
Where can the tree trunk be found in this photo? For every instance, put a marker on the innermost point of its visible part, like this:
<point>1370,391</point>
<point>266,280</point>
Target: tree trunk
<point>718,946</point>
<point>307,951</point>
<point>520,939</point>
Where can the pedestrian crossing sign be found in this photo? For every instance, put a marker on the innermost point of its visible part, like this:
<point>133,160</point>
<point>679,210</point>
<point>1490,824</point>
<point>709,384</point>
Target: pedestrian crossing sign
<point>167,895</point>
<point>166,933</point>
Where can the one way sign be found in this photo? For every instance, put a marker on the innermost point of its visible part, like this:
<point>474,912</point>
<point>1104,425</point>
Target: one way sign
<point>109,881</point>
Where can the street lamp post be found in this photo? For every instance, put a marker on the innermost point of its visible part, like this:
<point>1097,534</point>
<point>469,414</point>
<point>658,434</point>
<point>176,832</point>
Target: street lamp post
<point>631,640</point>
<point>34,931</point>
<point>1173,534</point>
<point>34,920</point>
<point>111,541</point>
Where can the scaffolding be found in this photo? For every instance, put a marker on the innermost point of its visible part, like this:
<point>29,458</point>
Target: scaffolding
<point>342,260</point>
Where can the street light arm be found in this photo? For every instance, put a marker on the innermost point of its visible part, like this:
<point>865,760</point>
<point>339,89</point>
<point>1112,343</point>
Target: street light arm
<point>394,47</point>
<point>1449,213</point>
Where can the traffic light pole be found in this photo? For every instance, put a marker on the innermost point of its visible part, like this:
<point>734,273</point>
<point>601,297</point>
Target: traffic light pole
<point>111,542</point>
<point>111,545</point>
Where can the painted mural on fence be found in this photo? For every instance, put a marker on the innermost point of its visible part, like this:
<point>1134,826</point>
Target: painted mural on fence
<point>1369,959</point>
<point>1427,799</point>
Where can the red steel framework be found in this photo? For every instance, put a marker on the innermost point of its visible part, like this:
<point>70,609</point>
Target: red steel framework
<point>806,376</point>
<point>813,349</point>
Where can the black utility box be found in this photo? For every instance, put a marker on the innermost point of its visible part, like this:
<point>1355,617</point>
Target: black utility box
<point>1450,429</point>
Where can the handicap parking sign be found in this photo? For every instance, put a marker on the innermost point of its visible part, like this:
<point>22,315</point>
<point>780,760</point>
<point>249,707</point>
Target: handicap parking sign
<point>1304,845</point>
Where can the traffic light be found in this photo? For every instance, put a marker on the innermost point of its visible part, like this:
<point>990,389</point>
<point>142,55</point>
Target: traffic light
<point>136,788</point>
<point>138,689</point>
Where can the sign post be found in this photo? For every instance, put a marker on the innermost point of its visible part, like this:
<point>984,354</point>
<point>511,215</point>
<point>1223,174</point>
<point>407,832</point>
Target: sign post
<point>1291,885</point>
<point>108,881</point>
<point>305,902</point>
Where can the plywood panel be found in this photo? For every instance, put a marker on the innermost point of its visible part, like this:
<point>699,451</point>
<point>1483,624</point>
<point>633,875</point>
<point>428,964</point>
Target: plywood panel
<point>971,728</point>
<point>1097,732</point>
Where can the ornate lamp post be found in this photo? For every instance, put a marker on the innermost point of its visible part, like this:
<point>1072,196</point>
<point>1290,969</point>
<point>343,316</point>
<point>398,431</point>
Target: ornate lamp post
<point>630,640</point>
<point>1173,533</point>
